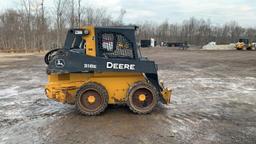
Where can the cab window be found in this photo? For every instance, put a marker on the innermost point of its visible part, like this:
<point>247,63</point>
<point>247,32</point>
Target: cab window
<point>115,45</point>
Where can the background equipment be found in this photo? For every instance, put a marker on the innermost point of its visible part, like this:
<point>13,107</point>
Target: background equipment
<point>244,44</point>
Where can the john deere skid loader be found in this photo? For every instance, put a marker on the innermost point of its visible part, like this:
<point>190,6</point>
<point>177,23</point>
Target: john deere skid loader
<point>102,65</point>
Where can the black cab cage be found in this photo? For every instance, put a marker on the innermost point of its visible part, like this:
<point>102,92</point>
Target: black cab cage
<point>112,42</point>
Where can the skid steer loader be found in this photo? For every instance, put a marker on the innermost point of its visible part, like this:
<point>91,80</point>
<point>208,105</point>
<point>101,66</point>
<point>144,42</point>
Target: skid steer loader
<point>244,44</point>
<point>102,65</point>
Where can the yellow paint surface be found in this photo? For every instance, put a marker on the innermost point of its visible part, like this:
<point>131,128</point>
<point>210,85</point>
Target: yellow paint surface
<point>63,87</point>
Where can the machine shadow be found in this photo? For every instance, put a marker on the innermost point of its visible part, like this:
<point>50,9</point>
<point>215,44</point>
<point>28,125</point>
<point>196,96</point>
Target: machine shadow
<point>116,124</point>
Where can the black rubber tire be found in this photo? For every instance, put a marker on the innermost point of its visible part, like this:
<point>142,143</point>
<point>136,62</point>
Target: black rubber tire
<point>137,86</point>
<point>249,48</point>
<point>96,87</point>
<point>47,57</point>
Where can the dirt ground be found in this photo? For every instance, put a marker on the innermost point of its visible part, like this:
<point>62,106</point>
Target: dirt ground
<point>214,101</point>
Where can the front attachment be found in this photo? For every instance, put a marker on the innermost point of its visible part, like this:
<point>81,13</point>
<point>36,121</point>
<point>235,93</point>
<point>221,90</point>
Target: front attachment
<point>166,93</point>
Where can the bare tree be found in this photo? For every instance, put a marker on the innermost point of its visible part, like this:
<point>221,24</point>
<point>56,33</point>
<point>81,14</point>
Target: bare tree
<point>31,28</point>
<point>60,6</point>
<point>27,25</point>
<point>72,13</point>
<point>121,17</point>
<point>79,13</point>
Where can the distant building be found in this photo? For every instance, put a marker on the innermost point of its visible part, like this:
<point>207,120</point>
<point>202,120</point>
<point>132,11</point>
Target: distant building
<point>148,43</point>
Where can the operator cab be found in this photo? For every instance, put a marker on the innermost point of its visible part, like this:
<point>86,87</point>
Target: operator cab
<point>244,40</point>
<point>106,42</point>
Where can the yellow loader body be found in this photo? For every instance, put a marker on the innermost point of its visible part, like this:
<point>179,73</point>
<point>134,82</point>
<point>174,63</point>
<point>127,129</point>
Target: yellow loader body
<point>63,87</point>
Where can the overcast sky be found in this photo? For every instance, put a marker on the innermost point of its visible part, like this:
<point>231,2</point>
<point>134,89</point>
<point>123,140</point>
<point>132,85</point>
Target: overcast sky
<point>175,11</point>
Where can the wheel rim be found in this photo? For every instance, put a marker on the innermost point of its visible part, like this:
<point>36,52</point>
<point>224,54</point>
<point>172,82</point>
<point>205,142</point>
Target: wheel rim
<point>91,100</point>
<point>142,98</point>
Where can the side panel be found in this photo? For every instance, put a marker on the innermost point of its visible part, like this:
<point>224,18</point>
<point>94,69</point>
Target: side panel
<point>63,87</point>
<point>74,61</point>
<point>117,84</point>
<point>90,42</point>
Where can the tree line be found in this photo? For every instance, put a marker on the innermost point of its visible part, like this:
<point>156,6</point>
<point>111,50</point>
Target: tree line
<point>196,32</point>
<point>35,27</point>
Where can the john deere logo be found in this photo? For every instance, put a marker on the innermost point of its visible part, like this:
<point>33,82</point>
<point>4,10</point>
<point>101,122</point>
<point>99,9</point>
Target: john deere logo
<point>60,63</point>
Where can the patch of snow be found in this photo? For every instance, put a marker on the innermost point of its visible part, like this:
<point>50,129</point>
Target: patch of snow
<point>214,46</point>
<point>9,91</point>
